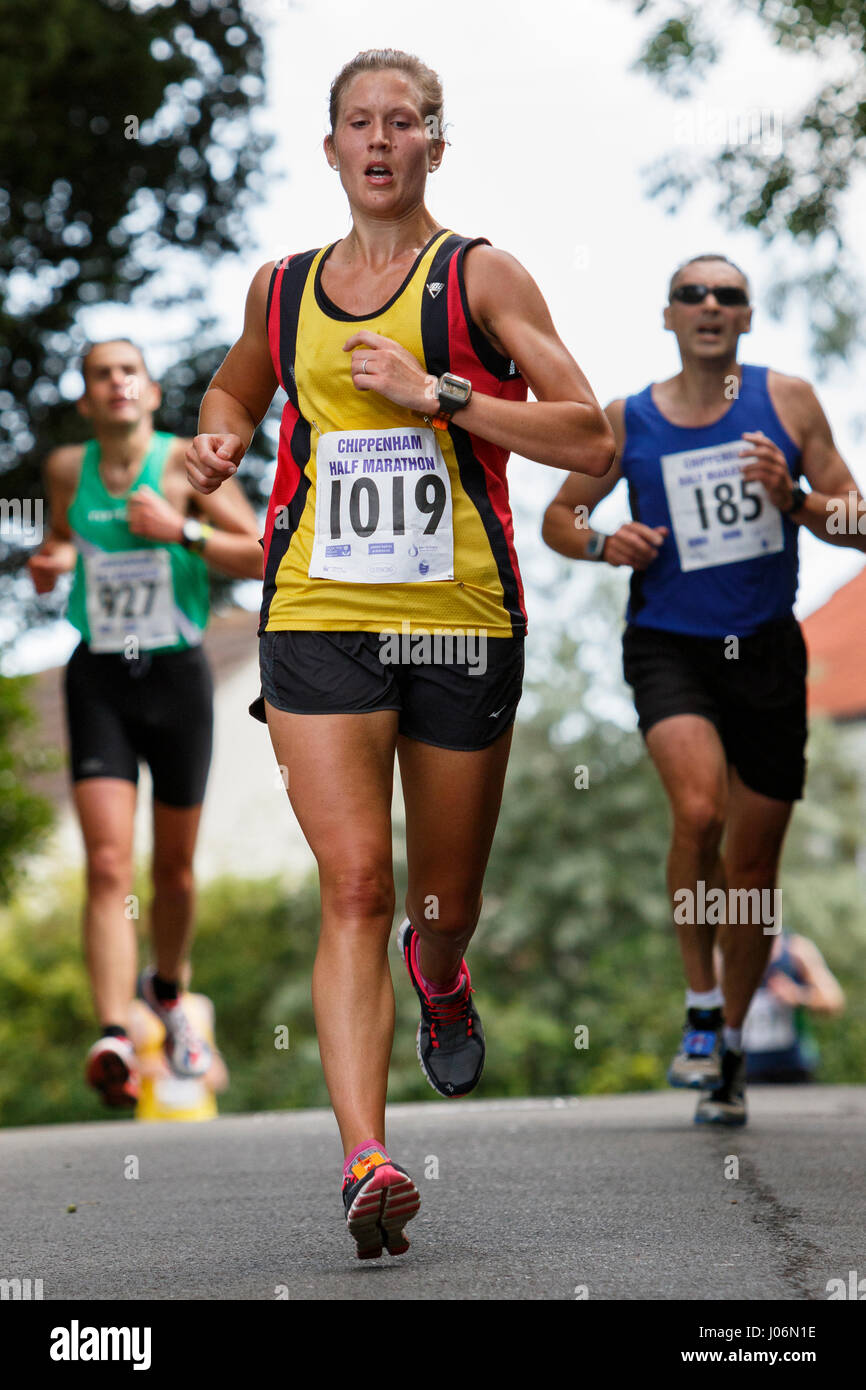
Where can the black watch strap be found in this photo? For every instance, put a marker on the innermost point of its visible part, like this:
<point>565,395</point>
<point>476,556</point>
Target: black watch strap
<point>798,501</point>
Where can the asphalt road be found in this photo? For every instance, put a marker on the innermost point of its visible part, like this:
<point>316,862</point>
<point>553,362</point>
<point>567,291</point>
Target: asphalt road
<point>617,1197</point>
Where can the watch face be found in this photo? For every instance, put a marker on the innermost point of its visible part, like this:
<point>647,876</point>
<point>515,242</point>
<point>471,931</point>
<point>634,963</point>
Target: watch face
<point>192,531</point>
<point>454,388</point>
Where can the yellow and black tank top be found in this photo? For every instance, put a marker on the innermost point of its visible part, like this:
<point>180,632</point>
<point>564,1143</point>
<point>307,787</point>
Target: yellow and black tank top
<point>377,521</point>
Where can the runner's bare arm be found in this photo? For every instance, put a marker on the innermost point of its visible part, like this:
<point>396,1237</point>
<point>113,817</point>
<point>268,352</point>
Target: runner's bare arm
<point>57,554</point>
<point>565,427</point>
<point>825,994</point>
<point>566,526</point>
<point>232,546</point>
<point>237,398</point>
<point>835,506</point>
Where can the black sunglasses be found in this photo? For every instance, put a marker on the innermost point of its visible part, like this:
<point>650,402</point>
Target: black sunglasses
<point>726,295</point>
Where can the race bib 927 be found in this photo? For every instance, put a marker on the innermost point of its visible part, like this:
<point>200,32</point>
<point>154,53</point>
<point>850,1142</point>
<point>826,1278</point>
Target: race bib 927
<point>383,508</point>
<point>718,516</point>
<point>129,593</point>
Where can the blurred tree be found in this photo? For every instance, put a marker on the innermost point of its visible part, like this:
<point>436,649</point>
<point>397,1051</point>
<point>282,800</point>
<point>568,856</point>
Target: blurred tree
<point>24,817</point>
<point>128,149</point>
<point>792,185</point>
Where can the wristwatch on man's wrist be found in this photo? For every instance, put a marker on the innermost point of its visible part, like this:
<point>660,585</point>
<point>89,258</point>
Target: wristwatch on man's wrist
<point>453,392</point>
<point>195,535</point>
<point>798,500</point>
<point>595,545</point>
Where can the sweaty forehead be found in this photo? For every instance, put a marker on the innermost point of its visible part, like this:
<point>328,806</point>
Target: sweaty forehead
<point>383,87</point>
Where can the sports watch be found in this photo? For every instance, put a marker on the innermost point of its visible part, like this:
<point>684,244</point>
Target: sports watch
<point>453,392</point>
<point>195,535</point>
<point>798,500</point>
<point>595,545</point>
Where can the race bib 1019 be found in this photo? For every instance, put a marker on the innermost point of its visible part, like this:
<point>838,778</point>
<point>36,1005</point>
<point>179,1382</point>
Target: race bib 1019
<point>383,508</point>
<point>718,516</point>
<point>130,594</point>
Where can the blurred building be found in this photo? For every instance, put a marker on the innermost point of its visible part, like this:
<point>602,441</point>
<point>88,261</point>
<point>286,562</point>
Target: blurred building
<point>837,654</point>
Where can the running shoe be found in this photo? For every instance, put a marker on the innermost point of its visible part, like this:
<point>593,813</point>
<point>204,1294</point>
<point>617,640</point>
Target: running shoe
<point>379,1198</point>
<point>726,1105</point>
<point>111,1070</point>
<point>450,1039</point>
<point>698,1063</point>
<point>186,1053</point>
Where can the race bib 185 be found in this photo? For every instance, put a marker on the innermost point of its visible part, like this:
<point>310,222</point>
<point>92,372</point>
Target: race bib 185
<point>383,508</point>
<point>130,594</point>
<point>718,516</point>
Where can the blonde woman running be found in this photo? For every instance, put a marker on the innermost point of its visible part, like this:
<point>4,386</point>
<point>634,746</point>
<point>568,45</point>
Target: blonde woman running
<point>393,616</point>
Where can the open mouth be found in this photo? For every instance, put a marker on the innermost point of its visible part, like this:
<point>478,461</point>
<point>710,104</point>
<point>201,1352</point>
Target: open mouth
<point>378,173</point>
<point>710,332</point>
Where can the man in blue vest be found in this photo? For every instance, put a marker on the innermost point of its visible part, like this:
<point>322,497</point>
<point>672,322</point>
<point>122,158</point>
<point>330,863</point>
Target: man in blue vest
<point>712,651</point>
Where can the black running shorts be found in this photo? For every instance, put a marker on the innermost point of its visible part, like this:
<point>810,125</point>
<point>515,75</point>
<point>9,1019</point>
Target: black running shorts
<point>458,691</point>
<point>756,699</point>
<point>158,708</point>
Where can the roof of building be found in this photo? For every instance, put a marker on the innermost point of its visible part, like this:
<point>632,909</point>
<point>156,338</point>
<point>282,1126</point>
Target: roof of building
<point>837,654</point>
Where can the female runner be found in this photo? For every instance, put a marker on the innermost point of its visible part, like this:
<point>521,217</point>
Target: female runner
<point>393,617</point>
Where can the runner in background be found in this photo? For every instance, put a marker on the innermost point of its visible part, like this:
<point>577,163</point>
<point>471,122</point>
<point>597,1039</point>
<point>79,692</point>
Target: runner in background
<point>405,351</point>
<point>713,653</point>
<point>125,519</point>
<point>778,1042</point>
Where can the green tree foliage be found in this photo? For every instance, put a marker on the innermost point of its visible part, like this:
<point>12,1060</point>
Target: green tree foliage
<point>129,149</point>
<point>24,817</point>
<point>794,191</point>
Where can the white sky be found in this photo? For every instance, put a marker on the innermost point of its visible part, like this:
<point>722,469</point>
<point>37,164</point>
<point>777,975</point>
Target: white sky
<point>549,132</point>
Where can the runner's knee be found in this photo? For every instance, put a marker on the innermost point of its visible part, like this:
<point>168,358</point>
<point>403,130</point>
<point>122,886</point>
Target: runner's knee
<point>753,863</point>
<point>173,876</point>
<point>109,870</point>
<point>359,893</point>
<point>699,820</point>
<point>445,914</point>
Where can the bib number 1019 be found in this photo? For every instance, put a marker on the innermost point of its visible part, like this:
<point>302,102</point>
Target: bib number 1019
<point>365,505</point>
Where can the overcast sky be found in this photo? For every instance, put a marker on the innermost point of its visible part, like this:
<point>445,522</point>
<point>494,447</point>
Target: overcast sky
<point>549,133</point>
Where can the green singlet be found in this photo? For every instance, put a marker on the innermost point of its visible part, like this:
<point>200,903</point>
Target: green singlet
<point>128,589</point>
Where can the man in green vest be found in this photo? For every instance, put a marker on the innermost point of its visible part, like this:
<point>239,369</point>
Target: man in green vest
<point>140,540</point>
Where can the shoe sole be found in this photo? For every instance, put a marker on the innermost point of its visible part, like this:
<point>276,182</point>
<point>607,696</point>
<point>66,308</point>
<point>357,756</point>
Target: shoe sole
<point>719,1117</point>
<point>695,1081</point>
<point>380,1211</point>
<point>108,1074</point>
<point>726,1121</point>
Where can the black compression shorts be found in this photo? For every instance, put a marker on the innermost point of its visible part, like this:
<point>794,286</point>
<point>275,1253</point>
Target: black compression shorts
<point>158,708</point>
<point>756,699</point>
<point>455,694</point>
